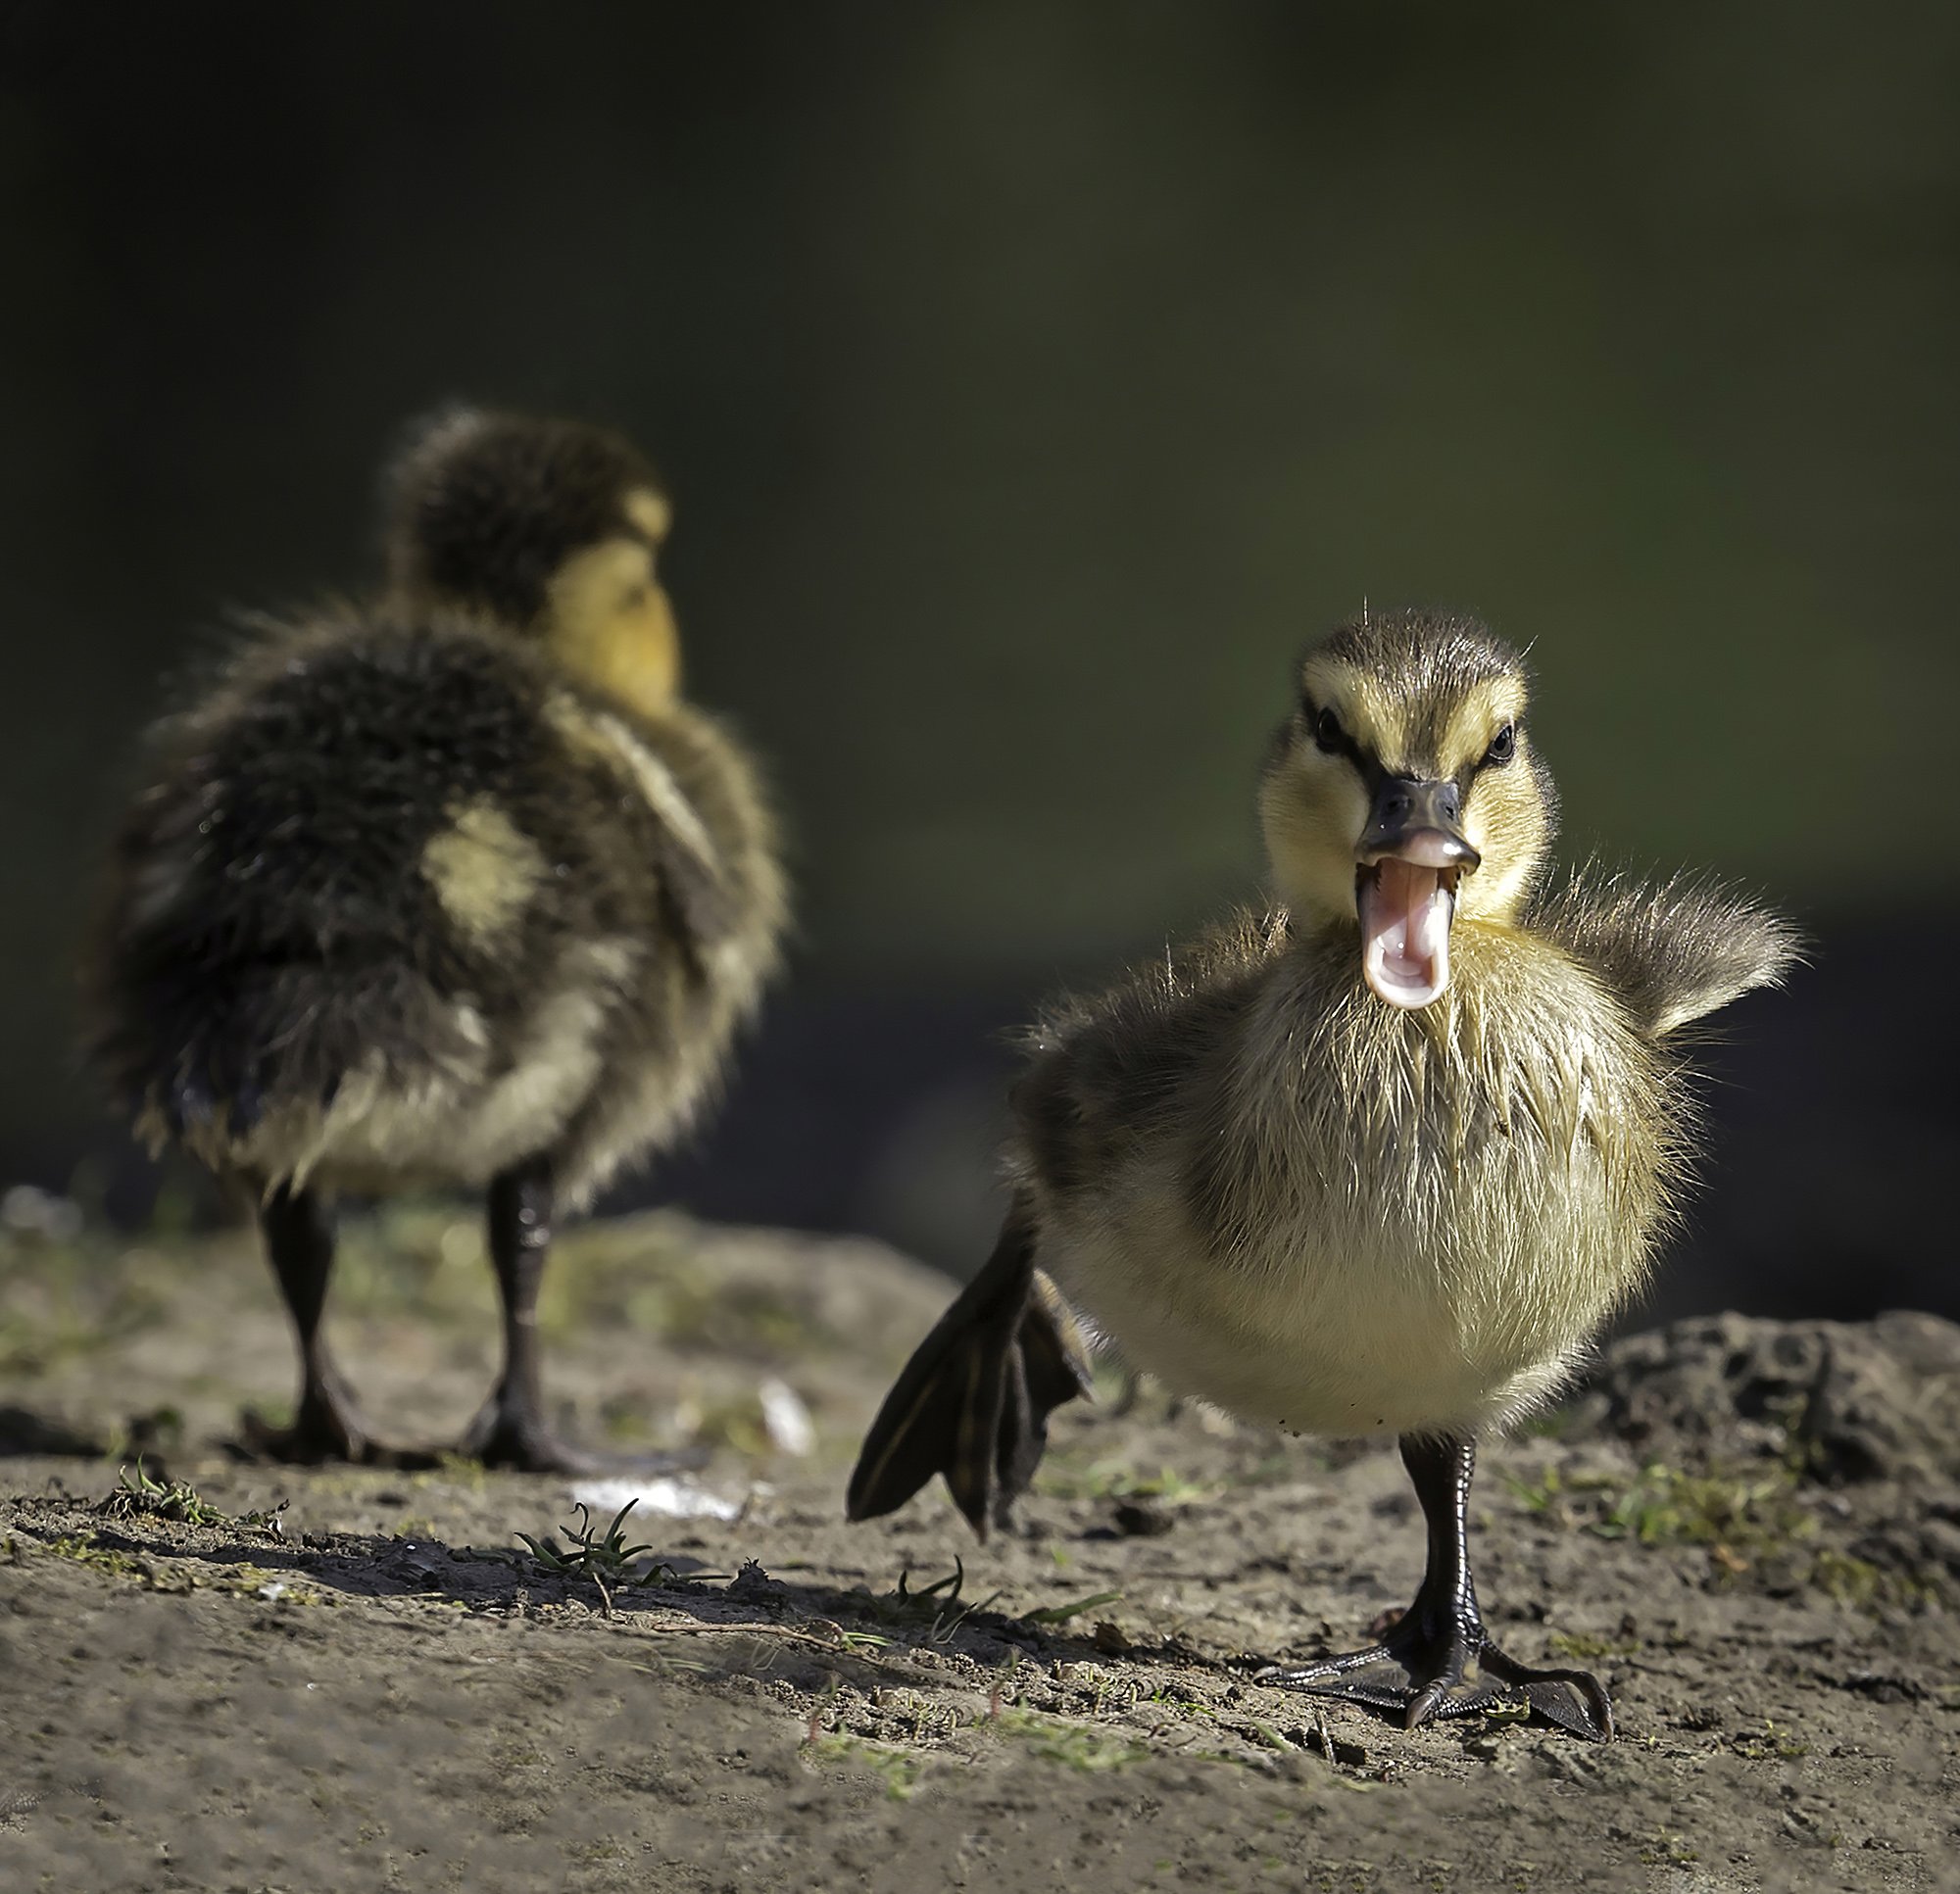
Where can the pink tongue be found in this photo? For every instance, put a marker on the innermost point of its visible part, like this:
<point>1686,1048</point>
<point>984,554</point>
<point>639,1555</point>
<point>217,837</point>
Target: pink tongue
<point>1405,914</point>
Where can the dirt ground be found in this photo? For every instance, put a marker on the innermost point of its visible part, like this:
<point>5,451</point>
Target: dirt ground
<point>221,1675</point>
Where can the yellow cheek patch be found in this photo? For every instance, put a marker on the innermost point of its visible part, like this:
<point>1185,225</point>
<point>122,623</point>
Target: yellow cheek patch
<point>609,621</point>
<point>484,870</point>
<point>593,586</point>
<point>1506,823</point>
<point>1313,810</point>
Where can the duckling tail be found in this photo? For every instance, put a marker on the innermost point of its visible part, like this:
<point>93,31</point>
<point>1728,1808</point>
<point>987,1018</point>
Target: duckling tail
<point>240,1061</point>
<point>973,1401</point>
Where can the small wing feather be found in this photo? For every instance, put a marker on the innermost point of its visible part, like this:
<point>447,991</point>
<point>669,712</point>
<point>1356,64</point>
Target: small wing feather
<point>1672,952</point>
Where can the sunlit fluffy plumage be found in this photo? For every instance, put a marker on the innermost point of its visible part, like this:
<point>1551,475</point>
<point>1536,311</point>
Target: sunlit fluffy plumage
<point>411,893</point>
<point>449,888</point>
<point>1345,1217</point>
<point>1379,1159</point>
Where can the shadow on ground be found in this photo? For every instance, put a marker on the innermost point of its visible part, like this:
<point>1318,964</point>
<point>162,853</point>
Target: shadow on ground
<point>223,1673</point>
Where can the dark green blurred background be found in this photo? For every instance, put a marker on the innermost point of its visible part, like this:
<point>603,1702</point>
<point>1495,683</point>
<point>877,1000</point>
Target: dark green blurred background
<point>1035,380</point>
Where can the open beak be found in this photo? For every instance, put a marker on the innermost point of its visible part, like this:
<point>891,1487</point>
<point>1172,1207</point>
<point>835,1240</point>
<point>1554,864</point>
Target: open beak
<point>1408,861</point>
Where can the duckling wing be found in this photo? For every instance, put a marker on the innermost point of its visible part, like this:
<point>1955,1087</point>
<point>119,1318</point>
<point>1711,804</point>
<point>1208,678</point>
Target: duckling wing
<point>702,826</point>
<point>1108,1068</point>
<point>1672,952</point>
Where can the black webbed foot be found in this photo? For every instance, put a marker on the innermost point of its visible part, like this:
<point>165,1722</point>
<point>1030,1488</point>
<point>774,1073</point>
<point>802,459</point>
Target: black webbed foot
<point>1433,1665</point>
<point>1438,1660</point>
<point>327,1426</point>
<point>504,1435</point>
<point>973,1401</point>
<point>509,1428</point>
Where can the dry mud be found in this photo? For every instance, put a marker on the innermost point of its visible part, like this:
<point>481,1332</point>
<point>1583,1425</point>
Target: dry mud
<point>246,1676</point>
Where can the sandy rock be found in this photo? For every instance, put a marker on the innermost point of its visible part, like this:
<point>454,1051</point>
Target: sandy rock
<point>1863,1401</point>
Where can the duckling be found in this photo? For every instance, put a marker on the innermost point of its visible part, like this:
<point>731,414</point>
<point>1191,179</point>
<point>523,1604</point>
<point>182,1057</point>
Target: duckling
<point>449,889</point>
<point>1381,1160</point>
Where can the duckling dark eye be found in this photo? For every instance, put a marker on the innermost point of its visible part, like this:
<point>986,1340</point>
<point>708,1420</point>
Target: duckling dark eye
<point>1504,746</point>
<point>1326,731</point>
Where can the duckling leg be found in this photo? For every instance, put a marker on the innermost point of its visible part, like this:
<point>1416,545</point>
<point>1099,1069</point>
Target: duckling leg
<point>1438,1660</point>
<point>299,1240</point>
<point>973,1401</point>
<point>509,1428</point>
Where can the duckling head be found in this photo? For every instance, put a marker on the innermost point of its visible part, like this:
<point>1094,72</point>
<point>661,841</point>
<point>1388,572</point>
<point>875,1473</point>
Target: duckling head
<point>551,528</point>
<point>1402,793</point>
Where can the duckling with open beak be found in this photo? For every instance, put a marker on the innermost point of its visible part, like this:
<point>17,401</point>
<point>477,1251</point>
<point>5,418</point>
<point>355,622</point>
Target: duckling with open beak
<point>1379,1160</point>
<point>1410,857</point>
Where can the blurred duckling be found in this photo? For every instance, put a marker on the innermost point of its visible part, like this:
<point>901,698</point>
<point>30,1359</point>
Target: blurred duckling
<point>453,889</point>
<point>1380,1162</point>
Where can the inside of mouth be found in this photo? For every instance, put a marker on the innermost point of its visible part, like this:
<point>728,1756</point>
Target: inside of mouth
<point>1405,910</point>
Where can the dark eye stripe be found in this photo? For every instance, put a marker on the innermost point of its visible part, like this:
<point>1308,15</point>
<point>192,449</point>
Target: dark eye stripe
<point>1331,737</point>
